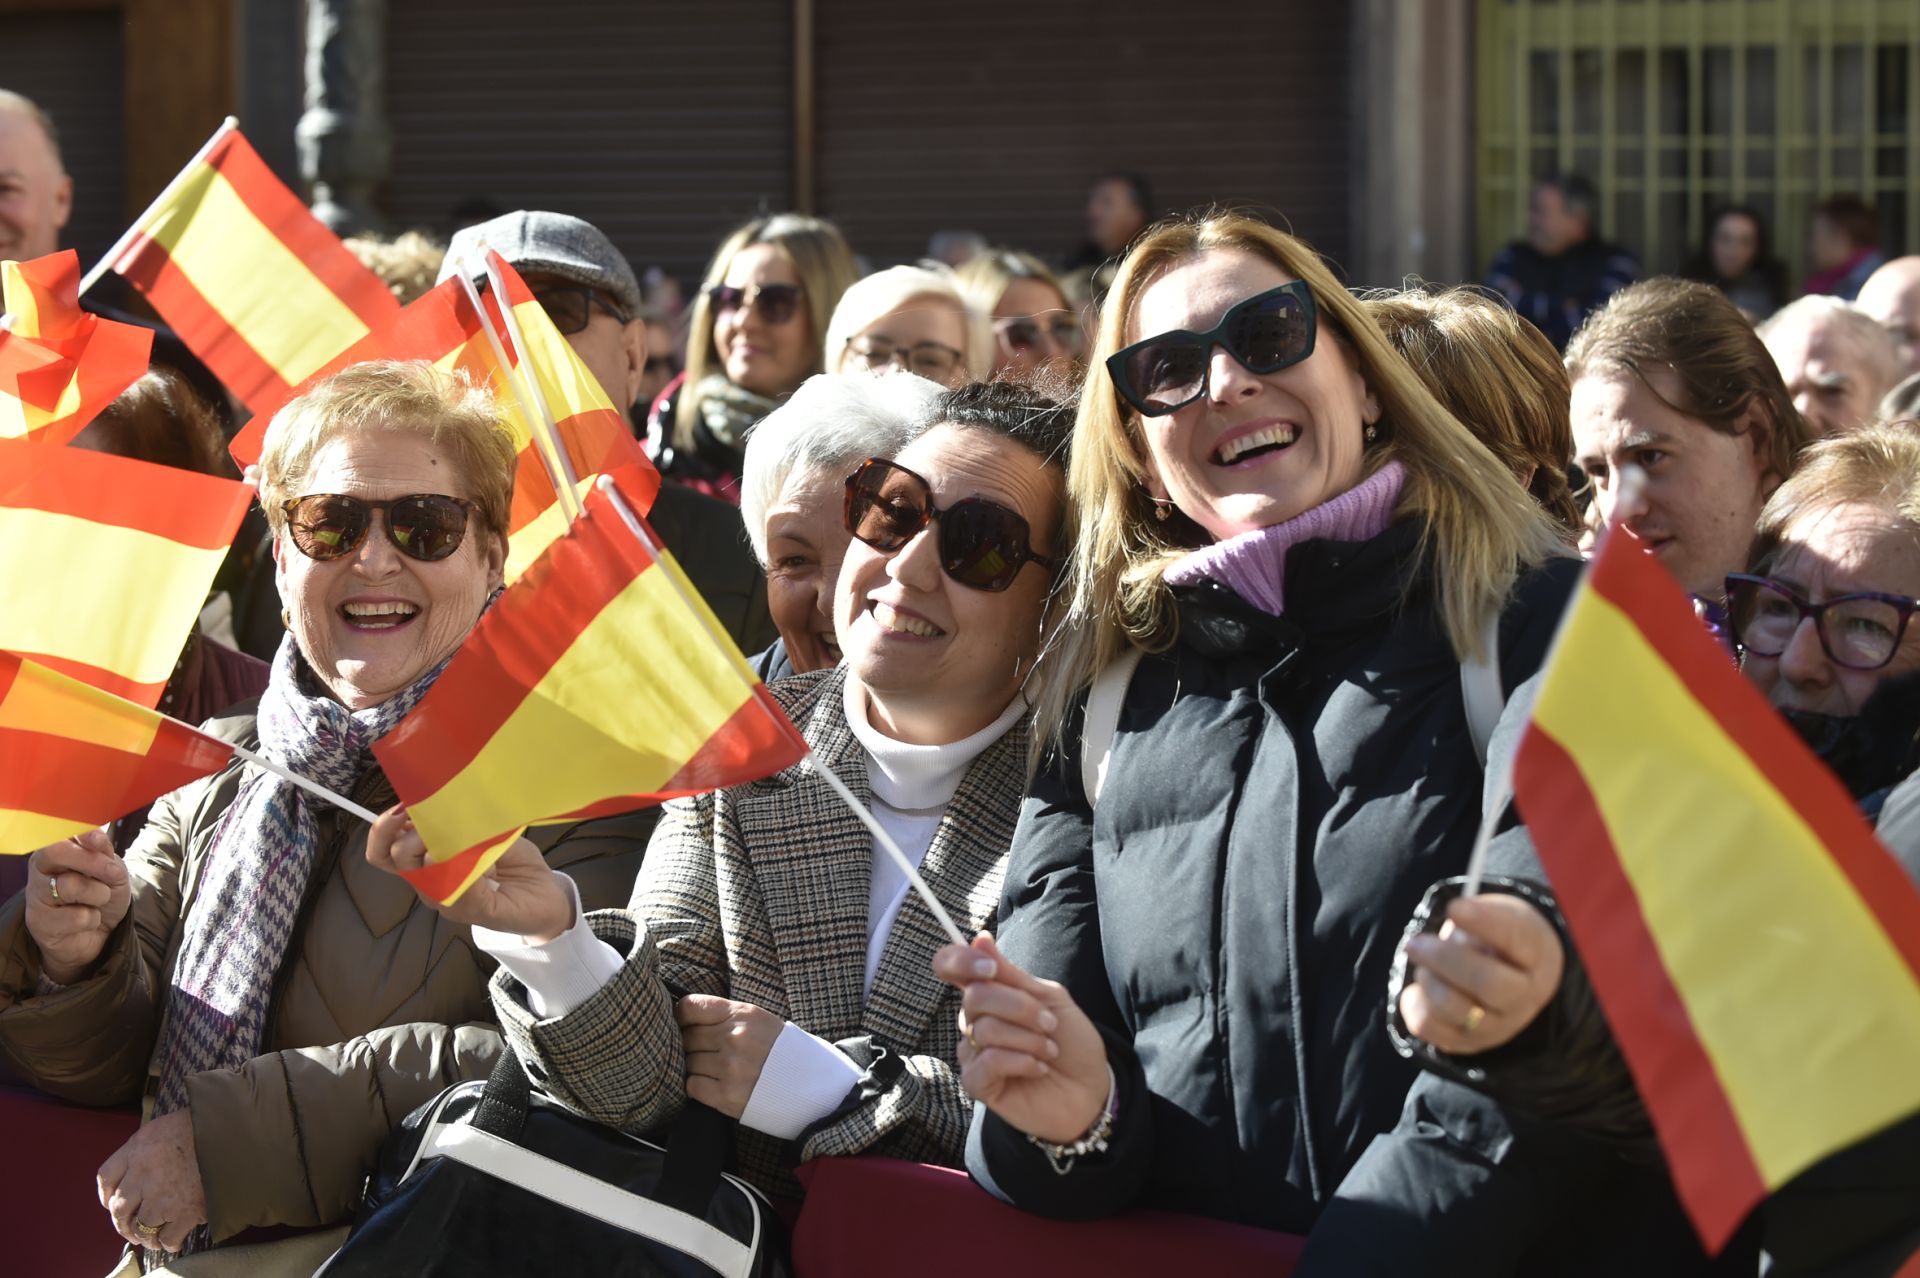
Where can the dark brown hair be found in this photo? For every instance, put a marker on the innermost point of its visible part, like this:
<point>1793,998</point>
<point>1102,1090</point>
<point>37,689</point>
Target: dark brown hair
<point>1692,331</point>
<point>1852,217</point>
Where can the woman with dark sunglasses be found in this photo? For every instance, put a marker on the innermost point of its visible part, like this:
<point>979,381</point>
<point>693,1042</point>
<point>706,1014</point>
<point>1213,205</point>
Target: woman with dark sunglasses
<point>1220,846</point>
<point>757,329</point>
<point>277,1001</point>
<point>772,963</point>
<point>1035,328</point>
<point>1821,622</point>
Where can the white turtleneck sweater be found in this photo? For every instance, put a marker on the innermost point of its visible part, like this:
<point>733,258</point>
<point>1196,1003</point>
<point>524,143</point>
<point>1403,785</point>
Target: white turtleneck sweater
<point>805,1078</point>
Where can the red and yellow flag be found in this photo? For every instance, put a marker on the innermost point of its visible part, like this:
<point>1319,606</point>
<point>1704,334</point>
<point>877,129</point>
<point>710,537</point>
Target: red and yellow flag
<point>247,276</point>
<point>59,366</point>
<point>1756,950</point>
<point>105,561</point>
<point>598,683</point>
<point>444,328</point>
<point>73,758</point>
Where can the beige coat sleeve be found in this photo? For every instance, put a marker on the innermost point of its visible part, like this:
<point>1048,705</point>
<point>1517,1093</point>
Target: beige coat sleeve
<point>92,1041</point>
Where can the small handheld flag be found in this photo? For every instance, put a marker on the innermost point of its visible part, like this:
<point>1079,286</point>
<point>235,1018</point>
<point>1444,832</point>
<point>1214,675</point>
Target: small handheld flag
<point>59,366</point>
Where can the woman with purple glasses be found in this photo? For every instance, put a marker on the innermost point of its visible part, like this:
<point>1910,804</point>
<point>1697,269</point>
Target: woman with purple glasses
<point>275,1003</point>
<point>1316,568</point>
<point>772,963</point>
<point>757,329</point>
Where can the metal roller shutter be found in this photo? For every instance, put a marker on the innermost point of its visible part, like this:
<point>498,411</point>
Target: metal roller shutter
<point>662,124</point>
<point>996,116</point>
<point>72,65</point>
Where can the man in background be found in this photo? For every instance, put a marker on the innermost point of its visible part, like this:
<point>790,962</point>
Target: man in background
<point>1836,359</point>
<point>1563,271</point>
<point>1891,296</point>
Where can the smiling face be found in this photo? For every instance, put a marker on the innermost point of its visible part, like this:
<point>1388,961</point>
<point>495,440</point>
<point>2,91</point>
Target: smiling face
<point>767,359</point>
<point>933,323</point>
<point>373,621</point>
<point>1040,302</point>
<point>1846,549</point>
<point>940,661</point>
<point>1704,489</point>
<point>1254,450</point>
<point>36,197</point>
<point>806,542</point>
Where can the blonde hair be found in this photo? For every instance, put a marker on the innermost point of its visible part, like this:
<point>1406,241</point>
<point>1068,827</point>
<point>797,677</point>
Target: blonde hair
<point>869,300</point>
<point>1877,464</point>
<point>818,254</point>
<point>1496,373</point>
<point>1480,527</point>
<point>408,264</point>
<point>984,279</point>
<point>409,397</point>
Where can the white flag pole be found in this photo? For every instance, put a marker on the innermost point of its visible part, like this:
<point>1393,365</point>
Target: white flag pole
<point>567,481</point>
<point>139,226</point>
<point>1633,482</point>
<point>311,787</point>
<point>839,787</point>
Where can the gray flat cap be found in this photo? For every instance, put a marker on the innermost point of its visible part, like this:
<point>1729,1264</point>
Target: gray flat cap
<point>552,244</point>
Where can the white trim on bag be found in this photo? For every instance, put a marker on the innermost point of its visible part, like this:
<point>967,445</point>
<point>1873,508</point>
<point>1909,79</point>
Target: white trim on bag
<point>577,1191</point>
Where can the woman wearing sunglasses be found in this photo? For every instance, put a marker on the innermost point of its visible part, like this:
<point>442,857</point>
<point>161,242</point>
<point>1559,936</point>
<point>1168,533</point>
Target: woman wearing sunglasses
<point>1821,621</point>
<point>1034,326</point>
<point>772,963</point>
<point>756,330</point>
<point>1307,548</point>
<point>276,1001</point>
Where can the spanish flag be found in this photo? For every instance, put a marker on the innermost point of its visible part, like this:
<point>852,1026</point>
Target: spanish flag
<point>598,683</point>
<point>59,366</point>
<point>247,277</point>
<point>73,758</point>
<point>1756,950</point>
<point>444,328</point>
<point>105,561</point>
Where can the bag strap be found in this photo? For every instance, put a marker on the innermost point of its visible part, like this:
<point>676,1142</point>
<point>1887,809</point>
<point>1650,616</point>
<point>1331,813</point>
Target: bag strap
<point>1481,690</point>
<point>503,1102</point>
<point>1104,699</point>
<point>696,1157</point>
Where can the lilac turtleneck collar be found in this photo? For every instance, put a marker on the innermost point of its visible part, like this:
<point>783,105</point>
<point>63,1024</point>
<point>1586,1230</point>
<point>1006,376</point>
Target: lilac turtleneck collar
<point>1253,565</point>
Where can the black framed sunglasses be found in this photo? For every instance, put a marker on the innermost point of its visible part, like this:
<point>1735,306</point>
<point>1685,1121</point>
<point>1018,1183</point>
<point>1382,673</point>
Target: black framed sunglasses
<point>773,303</point>
<point>571,309</point>
<point>1265,333</point>
<point>983,545</point>
<point>423,526</point>
<point>1023,333</point>
<point>1858,631</point>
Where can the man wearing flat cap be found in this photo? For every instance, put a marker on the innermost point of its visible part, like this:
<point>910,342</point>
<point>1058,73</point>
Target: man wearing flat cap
<point>584,283</point>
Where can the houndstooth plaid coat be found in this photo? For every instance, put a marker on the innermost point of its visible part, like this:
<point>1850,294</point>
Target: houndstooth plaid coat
<point>759,893</point>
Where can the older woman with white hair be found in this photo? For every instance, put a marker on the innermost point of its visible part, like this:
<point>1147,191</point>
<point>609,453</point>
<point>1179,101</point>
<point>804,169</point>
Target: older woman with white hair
<point>793,498</point>
<point>911,317</point>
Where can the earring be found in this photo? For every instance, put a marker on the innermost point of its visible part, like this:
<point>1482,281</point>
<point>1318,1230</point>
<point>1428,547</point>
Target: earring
<point>1372,432</point>
<point>286,619</point>
<point>1162,510</point>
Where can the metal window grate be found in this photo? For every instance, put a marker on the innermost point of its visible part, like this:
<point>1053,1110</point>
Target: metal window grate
<point>1676,107</point>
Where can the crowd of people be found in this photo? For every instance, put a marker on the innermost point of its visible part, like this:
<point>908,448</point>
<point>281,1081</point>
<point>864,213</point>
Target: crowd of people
<point>1169,611</point>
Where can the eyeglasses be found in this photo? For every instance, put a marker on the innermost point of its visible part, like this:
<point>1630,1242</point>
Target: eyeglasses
<point>934,361</point>
<point>1024,333</point>
<point>1265,333</point>
<point>1859,631</point>
<point>424,526</point>
<point>773,303</point>
<point>570,309</point>
<point>983,545</point>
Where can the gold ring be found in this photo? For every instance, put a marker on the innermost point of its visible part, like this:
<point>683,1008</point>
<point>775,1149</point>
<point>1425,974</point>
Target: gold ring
<point>146,1230</point>
<point>53,887</point>
<point>972,1042</point>
<point>1475,1015</point>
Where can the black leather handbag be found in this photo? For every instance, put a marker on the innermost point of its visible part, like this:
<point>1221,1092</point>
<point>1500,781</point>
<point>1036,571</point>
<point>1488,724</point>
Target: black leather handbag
<point>489,1178</point>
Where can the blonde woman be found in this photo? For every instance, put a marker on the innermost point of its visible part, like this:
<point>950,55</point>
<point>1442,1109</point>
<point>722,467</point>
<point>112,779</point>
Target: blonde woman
<point>910,317</point>
<point>1034,326</point>
<point>1183,1010</point>
<point>756,331</point>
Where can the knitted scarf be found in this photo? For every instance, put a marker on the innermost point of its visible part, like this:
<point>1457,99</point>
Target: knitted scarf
<point>728,412</point>
<point>236,935</point>
<point>1254,564</point>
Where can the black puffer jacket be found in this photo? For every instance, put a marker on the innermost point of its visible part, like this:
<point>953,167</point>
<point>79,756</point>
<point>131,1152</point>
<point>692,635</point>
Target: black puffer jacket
<point>1281,792</point>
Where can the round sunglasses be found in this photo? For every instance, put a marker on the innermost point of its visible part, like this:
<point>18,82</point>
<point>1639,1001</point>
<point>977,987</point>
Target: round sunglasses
<point>423,526</point>
<point>1265,333</point>
<point>983,545</point>
<point>1858,631</point>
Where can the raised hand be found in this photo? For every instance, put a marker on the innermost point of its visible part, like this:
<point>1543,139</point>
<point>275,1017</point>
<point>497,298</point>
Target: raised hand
<point>1494,966</point>
<point>520,894</point>
<point>77,893</point>
<point>1027,1051</point>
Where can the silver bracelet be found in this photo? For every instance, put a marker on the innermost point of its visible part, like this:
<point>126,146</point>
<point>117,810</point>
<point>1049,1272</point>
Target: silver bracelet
<point>1061,1157</point>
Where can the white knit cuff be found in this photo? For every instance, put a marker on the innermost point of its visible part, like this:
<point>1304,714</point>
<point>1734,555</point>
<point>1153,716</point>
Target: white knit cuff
<point>562,974</point>
<point>805,1079</point>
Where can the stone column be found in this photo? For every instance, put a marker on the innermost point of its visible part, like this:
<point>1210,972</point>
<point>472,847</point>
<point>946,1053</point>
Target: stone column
<point>346,147</point>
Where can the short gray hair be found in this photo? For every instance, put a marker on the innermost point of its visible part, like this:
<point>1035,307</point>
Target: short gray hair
<point>833,423</point>
<point>1867,333</point>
